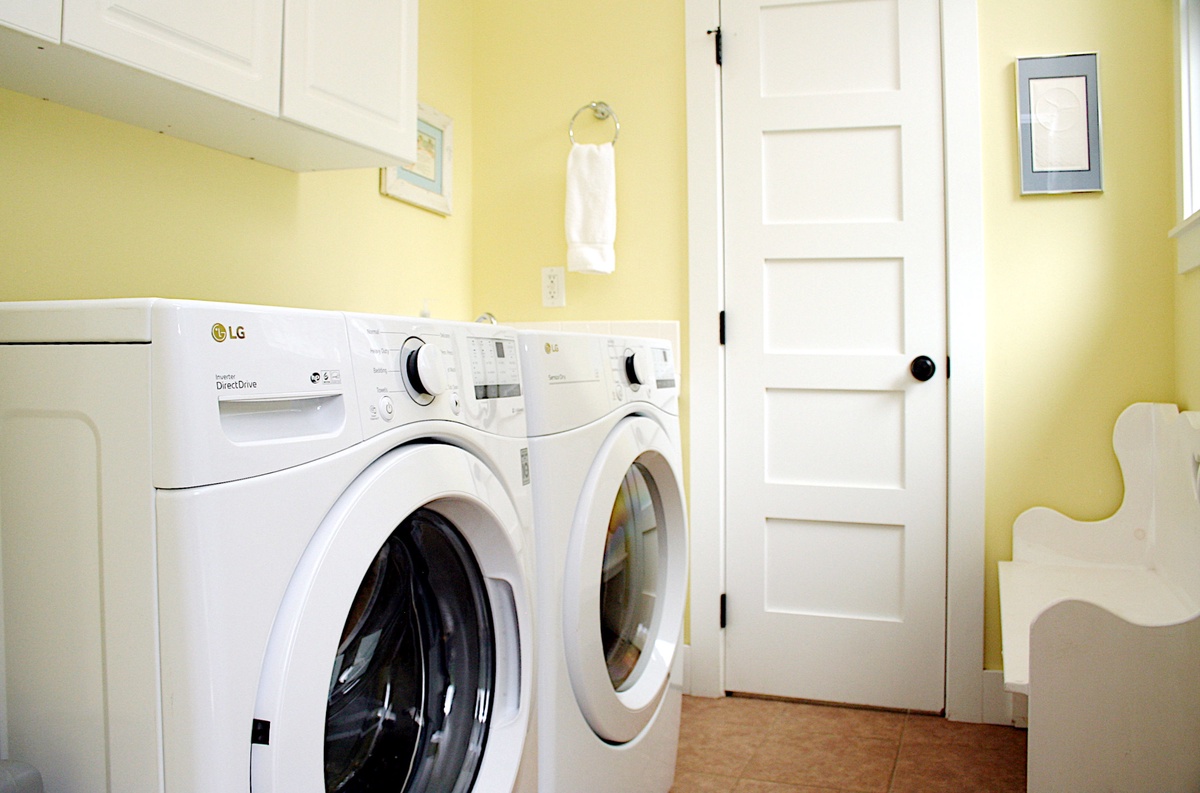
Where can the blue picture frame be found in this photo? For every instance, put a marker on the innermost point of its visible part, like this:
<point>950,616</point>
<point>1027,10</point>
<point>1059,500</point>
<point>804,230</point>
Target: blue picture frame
<point>1058,120</point>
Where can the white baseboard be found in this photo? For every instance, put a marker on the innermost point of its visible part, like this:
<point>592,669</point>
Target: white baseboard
<point>999,706</point>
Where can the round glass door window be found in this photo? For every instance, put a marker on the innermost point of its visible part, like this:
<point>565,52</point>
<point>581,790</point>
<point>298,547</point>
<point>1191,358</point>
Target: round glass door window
<point>413,681</point>
<point>629,581</point>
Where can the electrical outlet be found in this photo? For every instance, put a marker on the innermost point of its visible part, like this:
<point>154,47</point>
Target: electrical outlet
<point>554,287</point>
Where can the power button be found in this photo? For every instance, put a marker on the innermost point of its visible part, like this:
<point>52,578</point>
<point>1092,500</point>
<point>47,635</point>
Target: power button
<point>386,409</point>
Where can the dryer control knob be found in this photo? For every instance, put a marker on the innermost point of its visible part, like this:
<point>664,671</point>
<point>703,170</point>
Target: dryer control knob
<point>425,371</point>
<point>638,368</point>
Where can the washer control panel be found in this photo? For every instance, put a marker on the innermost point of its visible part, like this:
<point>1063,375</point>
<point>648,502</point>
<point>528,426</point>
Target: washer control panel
<point>401,368</point>
<point>418,369</point>
<point>495,370</point>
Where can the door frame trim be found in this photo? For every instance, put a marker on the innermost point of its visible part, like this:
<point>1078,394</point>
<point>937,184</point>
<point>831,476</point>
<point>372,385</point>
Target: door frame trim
<point>966,326</point>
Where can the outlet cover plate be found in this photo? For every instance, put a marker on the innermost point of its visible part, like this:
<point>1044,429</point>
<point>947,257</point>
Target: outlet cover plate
<point>554,287</point>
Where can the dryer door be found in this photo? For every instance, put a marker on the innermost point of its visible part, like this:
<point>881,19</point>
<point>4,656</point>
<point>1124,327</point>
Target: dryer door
<point>625,580</point>
<point>399,659</point>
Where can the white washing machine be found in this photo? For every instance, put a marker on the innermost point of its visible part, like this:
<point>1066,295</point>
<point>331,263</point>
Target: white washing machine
<point>267,550</point>
<point>610,522</point>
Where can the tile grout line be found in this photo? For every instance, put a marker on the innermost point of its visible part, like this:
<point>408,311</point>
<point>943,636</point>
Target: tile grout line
<point>899,744</point>
<point>741,773</point>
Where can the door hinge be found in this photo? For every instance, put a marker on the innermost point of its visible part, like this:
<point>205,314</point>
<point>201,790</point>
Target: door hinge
<point>722,609</point>
<point>721,327</point>
<point>260,732</point>
<point>717,32</point>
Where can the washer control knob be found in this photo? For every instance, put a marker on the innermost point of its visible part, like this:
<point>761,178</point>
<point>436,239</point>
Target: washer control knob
<point>424,370</point>
<point>638,368</point>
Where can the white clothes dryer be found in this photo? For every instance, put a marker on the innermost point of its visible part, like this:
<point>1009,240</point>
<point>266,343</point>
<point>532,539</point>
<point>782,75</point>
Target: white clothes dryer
<point>268,550</point>
<point>610,523</point>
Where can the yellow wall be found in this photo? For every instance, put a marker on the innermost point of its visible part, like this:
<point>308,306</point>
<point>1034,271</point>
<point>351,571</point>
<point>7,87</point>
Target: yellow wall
<point>1080,288</point>
<point>95,208</point>
<point>536,62</point>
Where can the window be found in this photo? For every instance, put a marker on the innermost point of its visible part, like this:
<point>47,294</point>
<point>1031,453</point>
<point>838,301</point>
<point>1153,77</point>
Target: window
<point>1187,233</point>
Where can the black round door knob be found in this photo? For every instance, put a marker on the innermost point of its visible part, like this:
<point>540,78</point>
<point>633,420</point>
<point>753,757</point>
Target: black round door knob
<point>922,367</point>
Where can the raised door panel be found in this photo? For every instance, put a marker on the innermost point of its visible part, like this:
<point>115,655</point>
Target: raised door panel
<point>41,18</point>
<point>230,48</point>
<point>350,70</point>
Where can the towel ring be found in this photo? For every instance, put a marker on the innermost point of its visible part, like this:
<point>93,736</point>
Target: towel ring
<point>601,111</point>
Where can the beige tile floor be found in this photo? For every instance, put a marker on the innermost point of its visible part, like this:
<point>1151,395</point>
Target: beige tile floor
<point>742,745</point>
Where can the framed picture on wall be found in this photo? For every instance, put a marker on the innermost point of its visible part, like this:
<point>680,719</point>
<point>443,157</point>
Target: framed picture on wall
<point>427,182</point>
<point>1058,118</point>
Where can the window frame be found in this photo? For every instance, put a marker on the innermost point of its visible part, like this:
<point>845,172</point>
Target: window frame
<point>1187,74</point>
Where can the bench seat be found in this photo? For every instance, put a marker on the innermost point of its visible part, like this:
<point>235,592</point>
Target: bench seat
<point>1100,622</point>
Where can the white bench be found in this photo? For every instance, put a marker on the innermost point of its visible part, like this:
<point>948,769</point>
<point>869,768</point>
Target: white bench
<point>1101,622</point>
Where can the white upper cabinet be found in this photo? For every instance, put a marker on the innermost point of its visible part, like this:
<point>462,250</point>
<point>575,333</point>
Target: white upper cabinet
<point>301,84</point>
<point>346,69</point>
<point>41,18</point>
<point>230,48</point>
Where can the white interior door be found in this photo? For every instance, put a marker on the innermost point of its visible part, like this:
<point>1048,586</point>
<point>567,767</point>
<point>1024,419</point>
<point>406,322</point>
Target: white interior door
<point>835,284</point>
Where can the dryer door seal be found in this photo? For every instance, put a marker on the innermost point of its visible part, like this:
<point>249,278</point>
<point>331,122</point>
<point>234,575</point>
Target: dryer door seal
<point>409,597</point>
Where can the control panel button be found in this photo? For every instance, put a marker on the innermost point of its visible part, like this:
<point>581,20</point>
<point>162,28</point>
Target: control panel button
<point>386,409</point>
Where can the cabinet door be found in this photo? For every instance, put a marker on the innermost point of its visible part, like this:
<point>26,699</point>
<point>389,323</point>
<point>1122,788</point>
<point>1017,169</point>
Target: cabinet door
<point>230,48</point>
<point>350,70</point>
<point>41,18</point>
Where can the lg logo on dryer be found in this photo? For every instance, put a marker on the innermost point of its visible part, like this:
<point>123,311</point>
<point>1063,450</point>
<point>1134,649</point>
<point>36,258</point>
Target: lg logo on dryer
<point>222,332</point>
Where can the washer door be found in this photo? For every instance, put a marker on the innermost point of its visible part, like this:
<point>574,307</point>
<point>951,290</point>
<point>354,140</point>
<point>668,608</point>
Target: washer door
<point>626,580</point>
<point>398,660</point>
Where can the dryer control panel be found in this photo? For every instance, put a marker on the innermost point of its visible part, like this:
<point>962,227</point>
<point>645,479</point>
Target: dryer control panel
<point>576,378</point>
<point>639,364</point>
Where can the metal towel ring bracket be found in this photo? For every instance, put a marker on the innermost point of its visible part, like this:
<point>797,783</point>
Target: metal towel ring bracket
<point>601,111</point>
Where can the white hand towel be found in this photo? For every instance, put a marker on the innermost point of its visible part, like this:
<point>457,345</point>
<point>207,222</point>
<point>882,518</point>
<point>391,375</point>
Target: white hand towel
<point>591,208</point>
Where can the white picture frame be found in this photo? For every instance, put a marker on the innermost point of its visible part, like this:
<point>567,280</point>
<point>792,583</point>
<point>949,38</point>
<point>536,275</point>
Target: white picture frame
<point>428,182</point>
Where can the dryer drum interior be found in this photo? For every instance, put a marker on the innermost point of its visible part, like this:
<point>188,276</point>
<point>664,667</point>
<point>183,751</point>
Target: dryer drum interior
<point>629,581</point>
<point>414,677</point>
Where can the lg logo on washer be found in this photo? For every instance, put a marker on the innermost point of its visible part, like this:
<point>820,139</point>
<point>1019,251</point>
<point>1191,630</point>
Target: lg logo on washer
<point>222,332</point>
